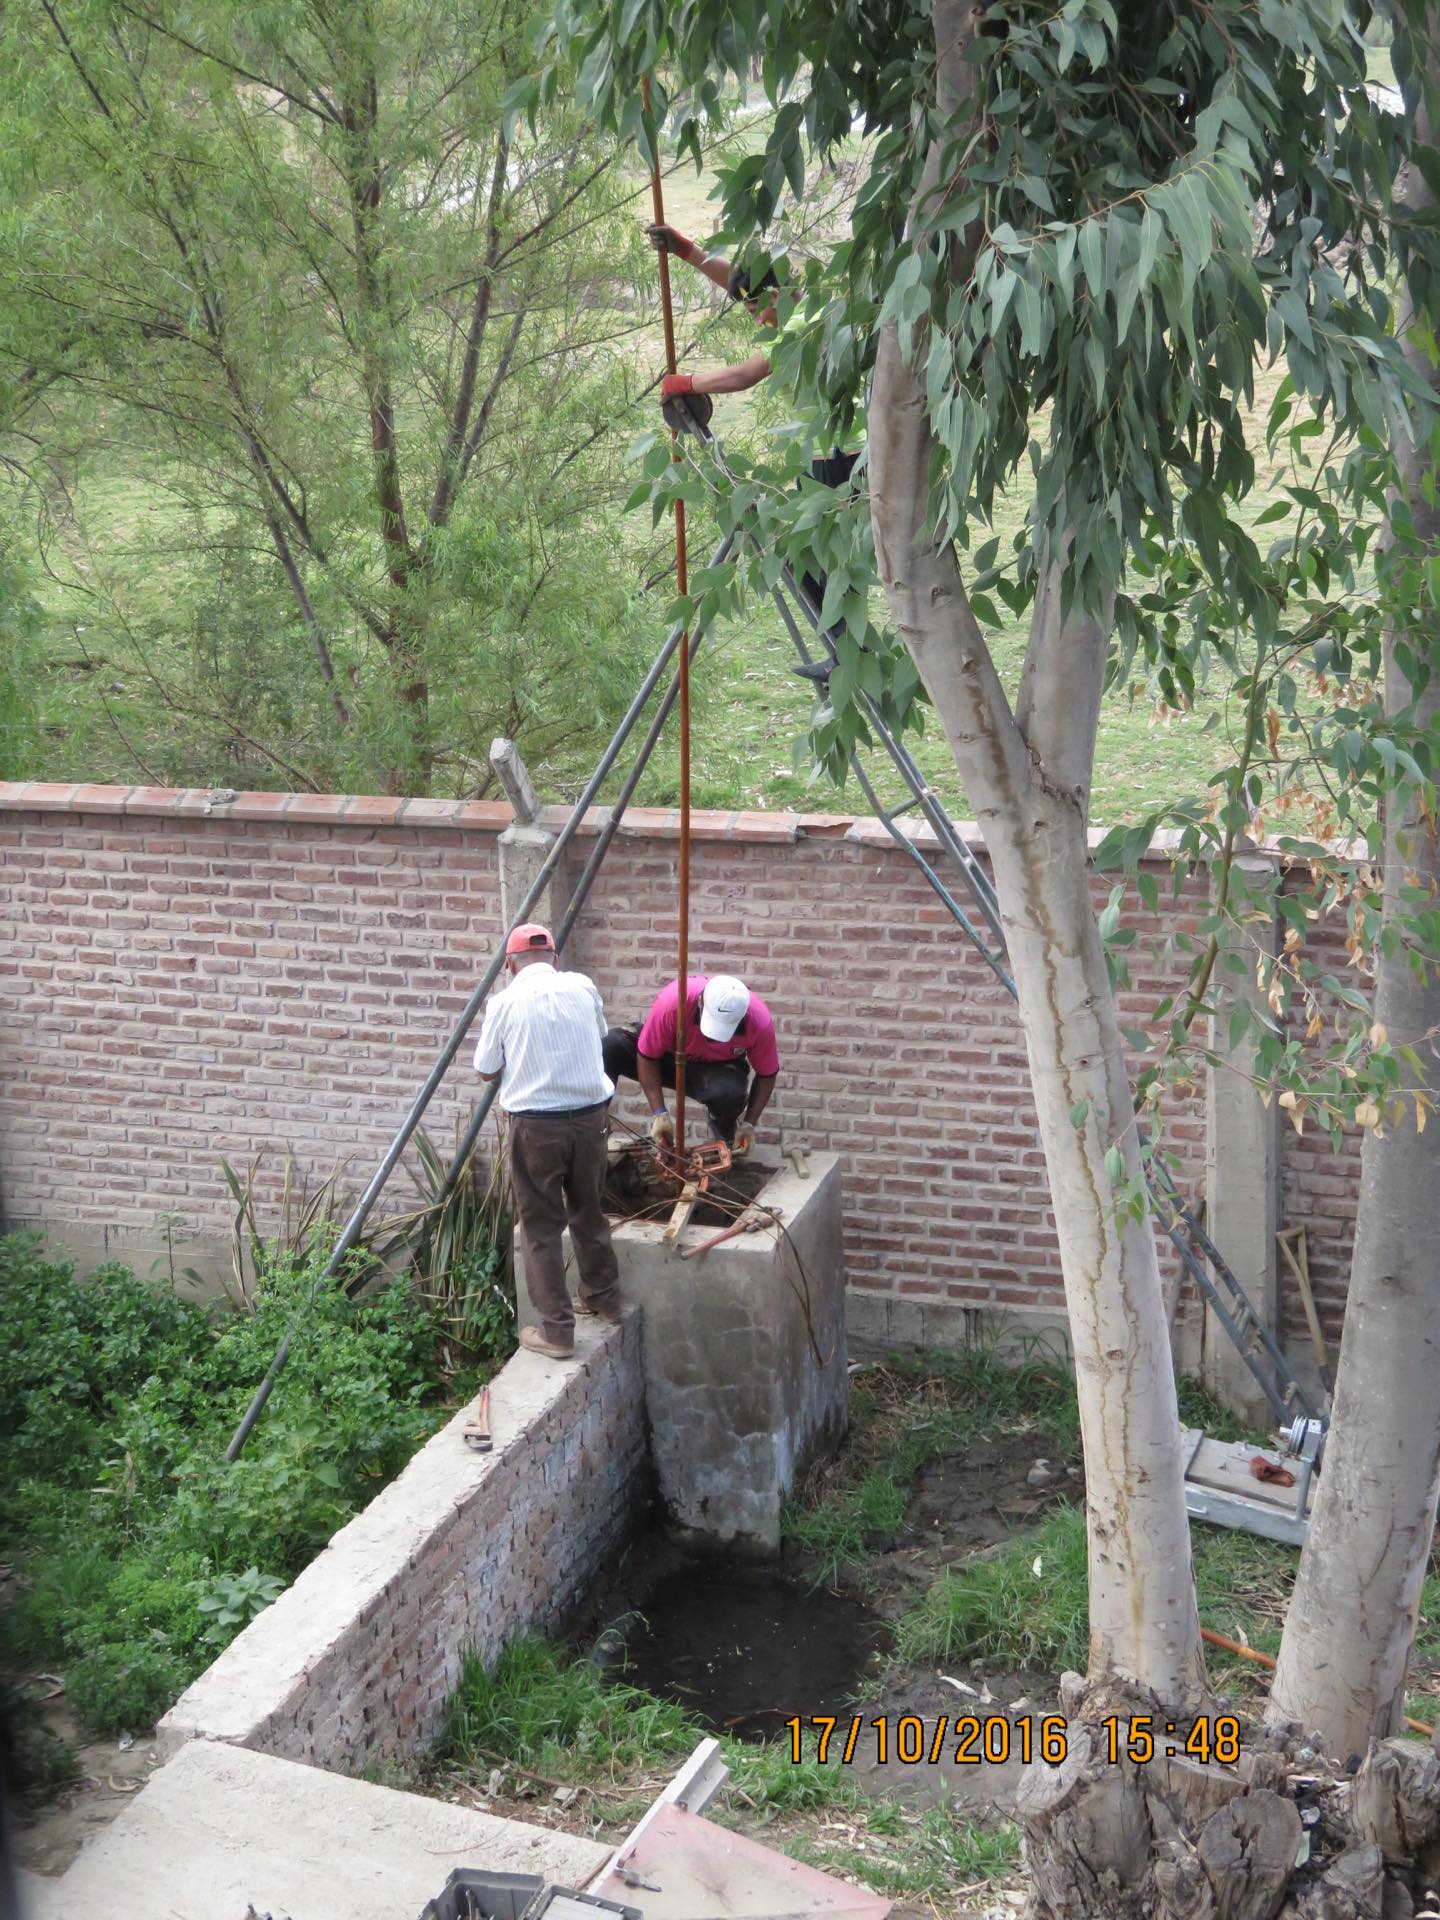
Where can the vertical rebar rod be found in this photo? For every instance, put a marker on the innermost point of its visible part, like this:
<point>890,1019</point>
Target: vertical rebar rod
<point>682,581</point>
<point>582,886</point>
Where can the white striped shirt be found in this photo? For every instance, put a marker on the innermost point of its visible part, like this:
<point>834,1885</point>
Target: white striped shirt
<point>543,1035</point>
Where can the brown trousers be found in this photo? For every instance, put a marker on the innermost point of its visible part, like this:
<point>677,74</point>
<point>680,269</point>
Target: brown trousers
<point>557,1170</point>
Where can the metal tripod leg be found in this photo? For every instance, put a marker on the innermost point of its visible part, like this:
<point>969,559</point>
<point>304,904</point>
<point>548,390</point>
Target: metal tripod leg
<point>1198,1253</point>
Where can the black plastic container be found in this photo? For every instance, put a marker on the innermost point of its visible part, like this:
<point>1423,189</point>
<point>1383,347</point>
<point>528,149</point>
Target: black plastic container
<point>471,1894</point>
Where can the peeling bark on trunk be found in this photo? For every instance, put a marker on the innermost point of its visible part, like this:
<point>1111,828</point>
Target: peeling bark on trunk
<point>1030,791</point>
<point>1347,1640</point>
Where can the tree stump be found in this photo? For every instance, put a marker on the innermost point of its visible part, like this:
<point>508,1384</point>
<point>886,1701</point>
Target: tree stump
<point>1395,1801</point>
<point>1283,1835</point>
<point>1088,1840</point>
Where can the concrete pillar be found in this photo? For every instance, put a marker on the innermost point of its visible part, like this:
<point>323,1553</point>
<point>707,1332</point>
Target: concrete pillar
<point>525,846</point>
<point>1242,1161</point>
<point>746,1380</point>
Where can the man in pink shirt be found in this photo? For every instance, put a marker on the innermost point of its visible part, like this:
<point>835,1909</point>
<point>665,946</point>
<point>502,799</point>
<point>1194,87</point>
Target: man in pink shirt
<point>728,1035</point>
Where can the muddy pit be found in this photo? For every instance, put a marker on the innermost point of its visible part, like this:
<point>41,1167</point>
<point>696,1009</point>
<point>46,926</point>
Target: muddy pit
<point>744,1648</point>
<point>636,1190</point>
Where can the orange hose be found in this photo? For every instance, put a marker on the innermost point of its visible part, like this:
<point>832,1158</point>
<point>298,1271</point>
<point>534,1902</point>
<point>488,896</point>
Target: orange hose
<point>682,580</point>
<point>1268,1660</point>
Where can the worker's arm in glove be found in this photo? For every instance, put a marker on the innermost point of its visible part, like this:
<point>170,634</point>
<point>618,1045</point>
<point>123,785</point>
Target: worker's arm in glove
<point>761,1089</point>
<point>647,1071</point>
<point>737,379</point>
<point>667,239</point>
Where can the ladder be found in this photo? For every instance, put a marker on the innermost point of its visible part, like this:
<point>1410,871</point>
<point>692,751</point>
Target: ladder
<point>1199,1256</point>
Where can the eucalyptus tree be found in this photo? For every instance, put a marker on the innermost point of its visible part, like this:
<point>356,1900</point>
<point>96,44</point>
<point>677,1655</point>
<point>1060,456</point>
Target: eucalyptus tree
<point>1079,230</point>
<point>1351,1623</point>
<point>290,314</point>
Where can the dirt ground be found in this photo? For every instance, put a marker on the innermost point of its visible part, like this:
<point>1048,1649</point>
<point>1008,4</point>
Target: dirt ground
<point>48,1834</point>
<point>961,1505</point>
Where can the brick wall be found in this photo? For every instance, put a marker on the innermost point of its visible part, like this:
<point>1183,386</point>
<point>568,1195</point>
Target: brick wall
<point>355,1662</point>
<point>181,978</point>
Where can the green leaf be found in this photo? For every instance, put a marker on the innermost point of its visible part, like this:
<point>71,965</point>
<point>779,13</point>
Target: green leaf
<point>1092,259</point>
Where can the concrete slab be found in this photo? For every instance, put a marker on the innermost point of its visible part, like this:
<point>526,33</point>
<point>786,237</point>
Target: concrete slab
<point>221,1826</point>
<point>744,1357</point>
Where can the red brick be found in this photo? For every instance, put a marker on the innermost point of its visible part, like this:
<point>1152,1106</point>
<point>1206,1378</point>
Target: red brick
<point>372,810</point>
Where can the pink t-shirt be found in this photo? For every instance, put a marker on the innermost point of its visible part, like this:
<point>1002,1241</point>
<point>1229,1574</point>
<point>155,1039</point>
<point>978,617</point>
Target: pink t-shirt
<point>755,1035</point>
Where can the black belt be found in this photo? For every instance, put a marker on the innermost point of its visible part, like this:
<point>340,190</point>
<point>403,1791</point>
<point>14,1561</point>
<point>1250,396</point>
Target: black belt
<point>558,1113</point>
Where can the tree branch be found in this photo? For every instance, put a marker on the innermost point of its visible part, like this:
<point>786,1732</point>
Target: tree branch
<point>451,472</point>
<point>502,370</point>
<point>363,181</point>
<point>921,576</point>
<point>326,110</point>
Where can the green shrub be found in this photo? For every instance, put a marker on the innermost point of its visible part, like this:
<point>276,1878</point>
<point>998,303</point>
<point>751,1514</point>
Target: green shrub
<point>235,1600</point>
<point>138,1552</point>
<point>34,1760</point>
<point>123,1686</point>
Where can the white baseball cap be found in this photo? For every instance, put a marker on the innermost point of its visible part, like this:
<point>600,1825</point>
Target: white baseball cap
<point>723,1005</point>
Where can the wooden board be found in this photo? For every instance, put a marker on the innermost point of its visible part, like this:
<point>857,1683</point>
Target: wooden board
<point>692,1870</point>
<point>1220,1489</point>
<point>680,1218</point>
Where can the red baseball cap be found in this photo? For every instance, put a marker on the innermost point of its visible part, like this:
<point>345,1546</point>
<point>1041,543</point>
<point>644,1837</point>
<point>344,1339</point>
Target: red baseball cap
<point>531,938</point>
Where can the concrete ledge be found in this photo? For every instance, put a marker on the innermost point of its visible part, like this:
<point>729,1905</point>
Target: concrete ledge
<point>356,1660</point>
<point>218,1830</point>
<point>880,1324</point>
<point>488,816</point>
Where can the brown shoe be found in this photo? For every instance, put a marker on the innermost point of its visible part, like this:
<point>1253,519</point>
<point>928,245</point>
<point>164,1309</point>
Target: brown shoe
<point>612,1316</point>
<point>534,1341</point>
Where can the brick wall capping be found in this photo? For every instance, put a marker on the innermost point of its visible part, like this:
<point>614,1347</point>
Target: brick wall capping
<point>489,816</point>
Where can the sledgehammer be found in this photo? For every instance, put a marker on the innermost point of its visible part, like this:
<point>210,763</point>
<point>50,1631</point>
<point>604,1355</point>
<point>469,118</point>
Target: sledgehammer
<point>751,1221</point>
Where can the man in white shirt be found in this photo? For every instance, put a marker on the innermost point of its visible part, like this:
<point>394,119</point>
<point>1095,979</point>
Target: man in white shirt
<point>541,1040</point>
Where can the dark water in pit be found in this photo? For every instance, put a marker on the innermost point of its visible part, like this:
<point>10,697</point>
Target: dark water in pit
<point>744,1648</point>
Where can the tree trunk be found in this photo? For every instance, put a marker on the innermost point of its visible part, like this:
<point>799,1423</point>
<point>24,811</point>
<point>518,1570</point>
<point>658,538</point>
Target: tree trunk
<point>1347,1641</point>
<point>1143,1621</point>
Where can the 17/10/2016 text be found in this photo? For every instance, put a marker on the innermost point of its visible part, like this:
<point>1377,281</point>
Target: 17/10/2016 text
<point>993,1740</point>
